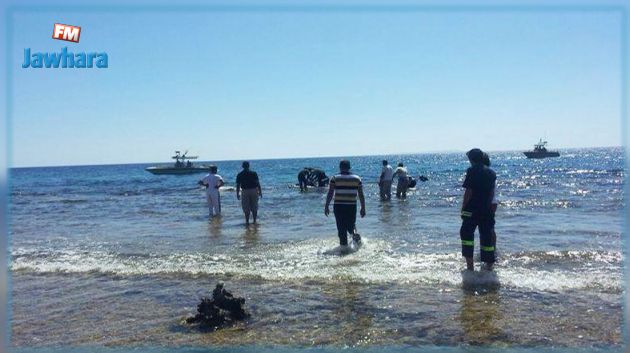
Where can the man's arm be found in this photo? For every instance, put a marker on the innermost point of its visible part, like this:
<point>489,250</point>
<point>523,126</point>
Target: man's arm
<point>493,201</point>
<point>362,201</point>
<point>467,196</point>
<point>220,183</point>
<point>331,192</point>
<point>380,179</point>
<point>258,187</point>
<point>238,188</point>
<point>468,181</point>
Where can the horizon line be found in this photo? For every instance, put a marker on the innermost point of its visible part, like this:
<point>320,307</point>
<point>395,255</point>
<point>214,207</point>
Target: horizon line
<point>287,158</point>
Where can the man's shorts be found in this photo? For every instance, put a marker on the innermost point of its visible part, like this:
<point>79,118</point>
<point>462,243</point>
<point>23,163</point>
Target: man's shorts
<point>249,200</point>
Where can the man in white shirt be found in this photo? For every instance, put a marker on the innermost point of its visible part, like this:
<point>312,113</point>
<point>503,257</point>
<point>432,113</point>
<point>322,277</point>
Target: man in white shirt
<point>385,181</point>
<point>403,181</point>
<point>213,182</point>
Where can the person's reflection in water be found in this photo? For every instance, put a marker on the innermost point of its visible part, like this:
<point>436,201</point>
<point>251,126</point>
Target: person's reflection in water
<point>250,236</point>
<point>215,227</point>
<point>385,214</point>
<point>403,215</point>
<point>479,316</point>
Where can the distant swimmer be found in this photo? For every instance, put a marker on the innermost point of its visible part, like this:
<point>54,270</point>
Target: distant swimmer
<point>477,210</point>
<point>213,182</point>
<point>403,181</point>
<point>385,181</point>
<point>248,182</point>
<point>345,187</point>
<point>494,203</point>
<point>312,177</point>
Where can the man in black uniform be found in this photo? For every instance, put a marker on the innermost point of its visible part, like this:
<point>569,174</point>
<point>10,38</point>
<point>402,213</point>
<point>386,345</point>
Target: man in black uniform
<point>476,210</point>
<point>493,203</point>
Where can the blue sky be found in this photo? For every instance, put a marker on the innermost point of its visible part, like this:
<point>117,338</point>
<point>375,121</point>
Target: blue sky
<point>243,85</point>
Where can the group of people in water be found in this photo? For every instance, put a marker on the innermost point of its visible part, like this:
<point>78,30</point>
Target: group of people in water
<point>345,188</point>
<point>248,191</point>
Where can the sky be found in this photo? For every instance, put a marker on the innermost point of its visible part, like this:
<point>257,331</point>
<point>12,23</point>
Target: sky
<point>267,84</point>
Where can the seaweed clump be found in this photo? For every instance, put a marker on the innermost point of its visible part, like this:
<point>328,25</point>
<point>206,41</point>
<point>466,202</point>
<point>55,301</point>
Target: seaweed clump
<point>222,310</point>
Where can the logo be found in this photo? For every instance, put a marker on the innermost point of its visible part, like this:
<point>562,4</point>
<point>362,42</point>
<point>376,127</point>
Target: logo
<point>65,58</point>
<point>66,32</point>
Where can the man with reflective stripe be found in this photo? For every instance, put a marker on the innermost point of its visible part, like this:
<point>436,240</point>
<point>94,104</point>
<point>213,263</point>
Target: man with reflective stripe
<point>477,210</point>
<point>345,187</point>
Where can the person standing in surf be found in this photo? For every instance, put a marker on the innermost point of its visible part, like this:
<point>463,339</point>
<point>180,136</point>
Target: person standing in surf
<point>493,204</point>
<point>476,210</point>
<point>248,182</point>
<point>403,181</point>
<point>213,182</point>
<point>345,187</point>
<point>385,181</point>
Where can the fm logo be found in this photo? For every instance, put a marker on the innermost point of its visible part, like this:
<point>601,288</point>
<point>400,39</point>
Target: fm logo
<point>66,32</point>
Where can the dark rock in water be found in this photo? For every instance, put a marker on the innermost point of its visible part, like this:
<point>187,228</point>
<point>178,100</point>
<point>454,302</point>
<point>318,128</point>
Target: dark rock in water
<point>222,310</point>
<point>423,178</point>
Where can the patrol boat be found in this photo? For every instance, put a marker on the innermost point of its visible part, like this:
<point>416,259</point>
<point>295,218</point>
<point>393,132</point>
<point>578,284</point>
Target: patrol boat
<point>183,165</point>
<point>540,151</point>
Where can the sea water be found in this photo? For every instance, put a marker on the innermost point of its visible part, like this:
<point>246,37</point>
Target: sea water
<point>113,255</point>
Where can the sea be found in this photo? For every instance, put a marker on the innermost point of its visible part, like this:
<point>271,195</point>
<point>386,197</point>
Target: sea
<point>113,256</point>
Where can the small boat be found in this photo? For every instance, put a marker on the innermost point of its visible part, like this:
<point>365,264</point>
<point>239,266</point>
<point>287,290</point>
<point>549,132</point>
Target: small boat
<point>540,151</point>
<point>183,165</point>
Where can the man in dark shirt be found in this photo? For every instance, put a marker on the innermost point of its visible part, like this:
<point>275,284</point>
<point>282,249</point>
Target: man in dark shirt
<point>477,210</point>
<point>247,180</point>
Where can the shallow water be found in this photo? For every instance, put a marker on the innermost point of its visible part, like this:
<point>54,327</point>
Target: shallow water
<point>114,255</point>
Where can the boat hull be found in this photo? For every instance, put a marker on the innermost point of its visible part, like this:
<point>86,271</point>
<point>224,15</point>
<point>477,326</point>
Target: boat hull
<point>177,171</point>
<point>540,155</point>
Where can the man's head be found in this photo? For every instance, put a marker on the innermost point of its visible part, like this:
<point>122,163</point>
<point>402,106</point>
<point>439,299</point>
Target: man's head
<point>401,164</point>
<point>486,159</point>
<point>245,165</point>
<point>475,156</point>
<point>344,165</point>
<point>385,163</point>
<point>213,169</point>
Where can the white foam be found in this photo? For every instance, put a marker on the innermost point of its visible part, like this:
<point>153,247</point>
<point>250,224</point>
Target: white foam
<point>375,262</point>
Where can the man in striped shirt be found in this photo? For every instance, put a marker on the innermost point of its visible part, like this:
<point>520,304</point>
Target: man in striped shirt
<point>345,187</point>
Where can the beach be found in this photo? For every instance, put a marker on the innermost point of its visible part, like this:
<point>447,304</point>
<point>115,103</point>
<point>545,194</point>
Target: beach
<point>112,255</point>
